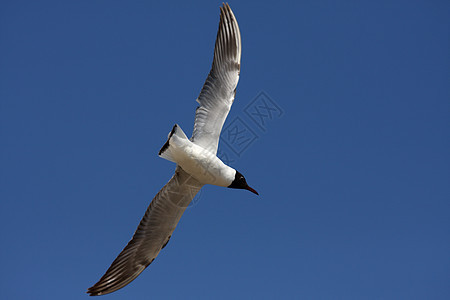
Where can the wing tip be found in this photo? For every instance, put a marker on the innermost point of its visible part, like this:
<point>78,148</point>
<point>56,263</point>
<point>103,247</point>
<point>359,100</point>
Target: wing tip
<point>99,289</point>
<point>228,40</point>
<point>92,292</point>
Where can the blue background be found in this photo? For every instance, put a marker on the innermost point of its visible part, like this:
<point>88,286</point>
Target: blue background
<point>353,176</point>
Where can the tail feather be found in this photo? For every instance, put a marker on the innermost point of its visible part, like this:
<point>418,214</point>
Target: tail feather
<point>168,150</point>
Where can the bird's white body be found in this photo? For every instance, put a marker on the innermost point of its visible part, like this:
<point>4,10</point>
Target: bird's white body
<point>199,162</point>
<point>205,166</point>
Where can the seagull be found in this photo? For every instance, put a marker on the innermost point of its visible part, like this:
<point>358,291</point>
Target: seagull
<point>196,159</point>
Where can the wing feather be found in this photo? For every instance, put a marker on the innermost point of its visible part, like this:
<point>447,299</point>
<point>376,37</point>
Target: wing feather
<point>219,90</point>
<point>152,234</point>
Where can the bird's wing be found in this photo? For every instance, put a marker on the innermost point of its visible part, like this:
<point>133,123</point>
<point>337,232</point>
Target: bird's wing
<point>219,90</point>
<point>152,234</point>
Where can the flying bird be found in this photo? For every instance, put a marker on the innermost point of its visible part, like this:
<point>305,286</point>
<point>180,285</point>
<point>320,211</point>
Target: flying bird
<point>196,159</point>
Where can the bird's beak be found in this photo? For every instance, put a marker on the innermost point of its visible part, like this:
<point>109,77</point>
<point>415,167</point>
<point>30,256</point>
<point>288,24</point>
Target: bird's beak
<point>251,190</point>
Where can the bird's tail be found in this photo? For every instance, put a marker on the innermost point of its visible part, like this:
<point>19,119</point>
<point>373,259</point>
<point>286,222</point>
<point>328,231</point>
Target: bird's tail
<point>174,141</point>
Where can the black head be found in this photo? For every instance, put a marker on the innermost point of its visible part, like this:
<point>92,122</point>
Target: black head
<point>239,182</point>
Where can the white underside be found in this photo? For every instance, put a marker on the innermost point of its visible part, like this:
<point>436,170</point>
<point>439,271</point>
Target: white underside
<point>201,164</point>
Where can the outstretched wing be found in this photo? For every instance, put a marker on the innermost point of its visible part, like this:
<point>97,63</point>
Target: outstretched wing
<point>152,234</point>
<point>219,90</point>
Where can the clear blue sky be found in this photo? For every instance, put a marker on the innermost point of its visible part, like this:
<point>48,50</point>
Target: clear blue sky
<point>353,171</point>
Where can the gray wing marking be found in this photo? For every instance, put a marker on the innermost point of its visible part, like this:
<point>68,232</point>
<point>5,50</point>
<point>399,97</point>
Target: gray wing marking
<point>152,234</point>
<point>219,90</point>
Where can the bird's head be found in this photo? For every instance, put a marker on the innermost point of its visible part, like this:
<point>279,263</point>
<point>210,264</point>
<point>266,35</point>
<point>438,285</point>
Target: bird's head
<point>239,182</point>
